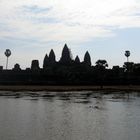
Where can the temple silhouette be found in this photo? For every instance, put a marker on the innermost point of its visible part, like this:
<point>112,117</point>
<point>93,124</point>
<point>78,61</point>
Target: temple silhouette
<point>69,71</point>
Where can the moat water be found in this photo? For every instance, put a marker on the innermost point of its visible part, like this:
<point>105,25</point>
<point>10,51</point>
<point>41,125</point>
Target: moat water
<point>69,116</point>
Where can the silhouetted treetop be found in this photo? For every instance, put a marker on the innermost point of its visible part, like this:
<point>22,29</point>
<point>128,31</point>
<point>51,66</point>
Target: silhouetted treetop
<point>66,55</point>
<point>127,54</point>
<point>1,68</point>
<point>77,60</point>
<point>129,66</point>
<point>7,53</point>
<point>101,63</point>
<point>87,59</point>
<point>16,67</point>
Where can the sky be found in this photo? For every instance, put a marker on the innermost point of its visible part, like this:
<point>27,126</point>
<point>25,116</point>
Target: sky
<point>104,28</point>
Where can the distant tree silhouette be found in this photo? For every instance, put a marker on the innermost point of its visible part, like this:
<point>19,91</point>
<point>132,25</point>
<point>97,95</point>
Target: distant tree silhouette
<point>17,67</point>
<point>87,59</point>
<point>101,63</point>
<point>136,69</point>
<point>127,54</point>
<point>77,60</point>
<point>66,55</point>
<point>45,62</point>
<point>35,65</point>
<point>7,54</point>
<point>129,66</point>
<point>1,67</point>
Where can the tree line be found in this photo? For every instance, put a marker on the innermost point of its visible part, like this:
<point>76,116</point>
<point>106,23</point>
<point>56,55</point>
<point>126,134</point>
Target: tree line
<point>72,71</point>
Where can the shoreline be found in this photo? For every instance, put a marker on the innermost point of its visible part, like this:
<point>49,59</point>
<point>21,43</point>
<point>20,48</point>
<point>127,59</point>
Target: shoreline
<point>68,88</point>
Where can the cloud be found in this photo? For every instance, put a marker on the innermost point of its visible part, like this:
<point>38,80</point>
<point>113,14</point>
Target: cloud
<point>35,9</point>
<point>71,21</point>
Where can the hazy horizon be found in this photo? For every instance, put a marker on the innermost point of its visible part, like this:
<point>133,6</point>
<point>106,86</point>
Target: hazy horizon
<point>105,28</point>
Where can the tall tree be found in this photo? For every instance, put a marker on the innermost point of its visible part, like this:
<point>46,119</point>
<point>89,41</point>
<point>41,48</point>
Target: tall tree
<point>127,54</point>
<point>7,54</point>
<point>87,59</point>
<point>101,65</point>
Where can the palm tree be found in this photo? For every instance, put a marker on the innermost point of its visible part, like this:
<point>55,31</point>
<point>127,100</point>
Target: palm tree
<point>7,54</point>
<point>127,54</point>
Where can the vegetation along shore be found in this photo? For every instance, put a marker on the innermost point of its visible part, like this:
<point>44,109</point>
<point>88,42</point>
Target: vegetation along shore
<point>68,71</point>
<point>68,88</point>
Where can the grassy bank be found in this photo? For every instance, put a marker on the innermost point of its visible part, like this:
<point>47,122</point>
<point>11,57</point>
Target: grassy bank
<point>68,88</point>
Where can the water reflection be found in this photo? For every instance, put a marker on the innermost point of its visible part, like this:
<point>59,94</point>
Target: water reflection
<point>69,116</point>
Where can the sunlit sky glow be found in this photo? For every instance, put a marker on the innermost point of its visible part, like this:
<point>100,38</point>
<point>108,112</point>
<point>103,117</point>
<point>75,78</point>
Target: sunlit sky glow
<point>106,28</point>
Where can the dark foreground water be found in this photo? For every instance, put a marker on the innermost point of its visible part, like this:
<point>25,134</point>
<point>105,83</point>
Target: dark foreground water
<point>69,116</point>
